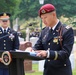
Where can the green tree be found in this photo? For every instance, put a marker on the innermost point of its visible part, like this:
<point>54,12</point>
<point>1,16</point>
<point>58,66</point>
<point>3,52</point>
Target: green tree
<point>25,9</point>
<point>64,7</point>
<point>9,6</point>
<point>28,9</point>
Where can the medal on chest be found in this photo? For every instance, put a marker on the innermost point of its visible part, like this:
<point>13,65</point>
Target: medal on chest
<point>55,40</point>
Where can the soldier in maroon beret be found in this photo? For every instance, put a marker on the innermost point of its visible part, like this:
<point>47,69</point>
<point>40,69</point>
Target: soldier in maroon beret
<point>55,43</point>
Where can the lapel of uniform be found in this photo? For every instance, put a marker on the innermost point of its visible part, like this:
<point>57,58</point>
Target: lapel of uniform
<point>8,30</point>
<point>45,37</point>
<point>1,31</point>
<point>55,32</point>
<point>57,29</point>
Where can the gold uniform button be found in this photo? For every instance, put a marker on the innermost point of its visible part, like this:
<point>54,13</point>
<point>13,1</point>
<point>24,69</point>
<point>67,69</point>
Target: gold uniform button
<point>48,43</point>
<point>4,47</point>
<point>4,44</point>
<point>8,32</point>
<point>48,60</point>
<point>48,48</point>
<point>64,64</point>
<point>0,32</point>
<point>4,40</point>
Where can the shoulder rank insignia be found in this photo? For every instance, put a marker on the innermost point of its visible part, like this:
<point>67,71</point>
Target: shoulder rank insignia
<point>67,27</point>
<point>0,32</point>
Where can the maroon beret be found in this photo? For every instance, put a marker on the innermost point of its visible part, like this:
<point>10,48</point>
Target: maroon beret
<point>46,9</point>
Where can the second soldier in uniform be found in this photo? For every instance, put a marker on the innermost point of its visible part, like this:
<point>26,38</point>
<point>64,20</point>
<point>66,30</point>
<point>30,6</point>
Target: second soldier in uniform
<point>8,39</point>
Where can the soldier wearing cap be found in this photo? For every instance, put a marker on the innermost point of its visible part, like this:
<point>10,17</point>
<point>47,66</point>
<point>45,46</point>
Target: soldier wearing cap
<point>55,43</point>
<point>8,39</point>
<point>37,32</point>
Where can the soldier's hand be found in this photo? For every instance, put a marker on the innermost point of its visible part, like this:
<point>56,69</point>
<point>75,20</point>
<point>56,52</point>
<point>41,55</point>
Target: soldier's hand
<point>41,53</point>
<point>29,49</point>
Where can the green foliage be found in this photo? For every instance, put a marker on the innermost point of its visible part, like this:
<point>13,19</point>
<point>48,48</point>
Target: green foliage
<point>74,72</point>
<point>25,9</point>
<point>23,34</point>
<point>31,23</point>
<point>35,68</point>
<point>7,5</point>
<point>65,7</point>
<point>28,9</point>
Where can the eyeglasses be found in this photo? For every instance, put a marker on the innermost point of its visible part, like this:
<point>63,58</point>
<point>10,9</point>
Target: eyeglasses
<point>4,20</point>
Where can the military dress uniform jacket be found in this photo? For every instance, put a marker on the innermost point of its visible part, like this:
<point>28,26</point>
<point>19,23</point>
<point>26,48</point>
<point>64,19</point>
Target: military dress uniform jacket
<point>8,41</point>
<point>59,43</point>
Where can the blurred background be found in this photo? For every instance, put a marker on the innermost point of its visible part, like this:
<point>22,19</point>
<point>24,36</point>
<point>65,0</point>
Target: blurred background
<point>25,13</point>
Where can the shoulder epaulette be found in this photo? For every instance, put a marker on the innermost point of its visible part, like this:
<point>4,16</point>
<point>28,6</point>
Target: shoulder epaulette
<point>67,27</point>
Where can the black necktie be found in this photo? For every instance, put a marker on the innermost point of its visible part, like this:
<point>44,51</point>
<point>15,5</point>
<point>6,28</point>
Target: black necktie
<point>51,30</point>
<point>5,31</point>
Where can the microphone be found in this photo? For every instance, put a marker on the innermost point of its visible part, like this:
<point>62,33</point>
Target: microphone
<point>7,35</point>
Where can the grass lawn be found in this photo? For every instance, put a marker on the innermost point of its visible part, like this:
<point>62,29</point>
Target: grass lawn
<point>35,68</point>
<point>74,71</point>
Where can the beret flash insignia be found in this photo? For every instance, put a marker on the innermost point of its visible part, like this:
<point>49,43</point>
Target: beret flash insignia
<point>43,11</point>
<point>67,27</point>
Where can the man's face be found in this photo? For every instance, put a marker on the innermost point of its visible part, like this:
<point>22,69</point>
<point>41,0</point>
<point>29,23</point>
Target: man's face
<point>48,19</point>
<point>4,23</point>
